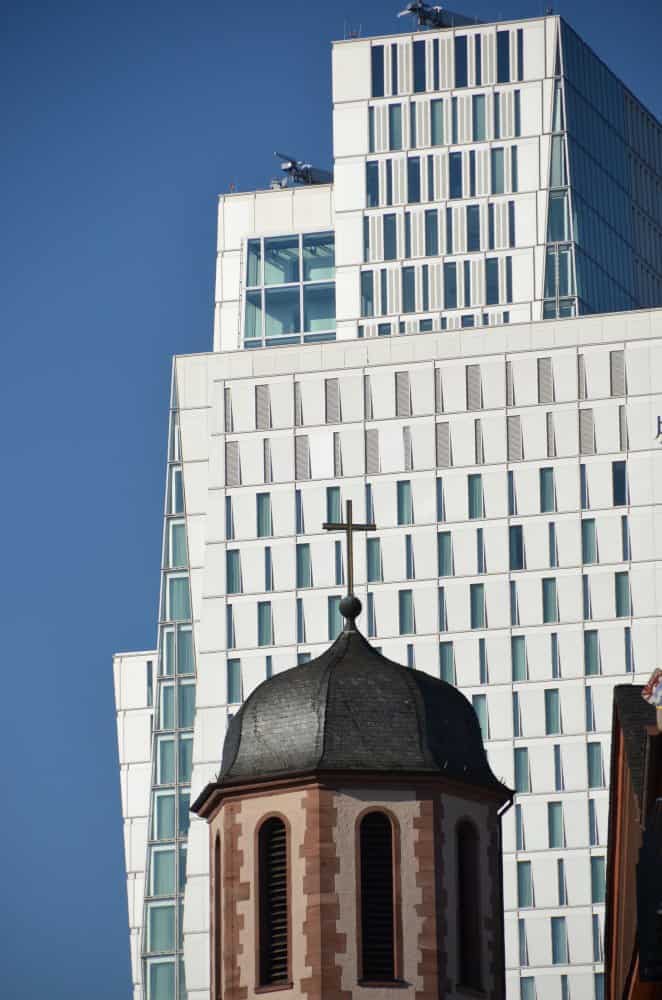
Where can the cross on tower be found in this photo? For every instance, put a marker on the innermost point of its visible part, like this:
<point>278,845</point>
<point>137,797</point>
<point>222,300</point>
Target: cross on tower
<point>349,527</point>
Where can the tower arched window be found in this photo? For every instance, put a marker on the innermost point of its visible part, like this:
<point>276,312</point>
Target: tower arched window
<point>217,958</point>
<point>469,905</point>
<point>379,931</point>
<point>273,903</point>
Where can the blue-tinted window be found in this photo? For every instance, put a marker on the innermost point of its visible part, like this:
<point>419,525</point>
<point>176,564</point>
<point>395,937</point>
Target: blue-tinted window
<point>233,571</point>
<point>335,621</point>
<point>431,233</point>
<point>516,546</point>
<point>461,61</point>
<point>547,491</point>
<point>594,765</point>
<point>520,55</point>
<point>412,125</point>
<point>477,605</point>
<point>476,506</point>
<point>478,108</point>
<point>503,56</point>
<point>419,67</point>
<point>394,69</point>
<point>425,288</point>
<point>473,227</point>
<point>254,267</point>
<point>371,130</point>
<point>518,113</point>
<point>413,179</point>
<point>450,285</point>
<point>404,502</point>
<point>436,123</point>
<point>372,183</point>
<point>389,182</point>
<point>491,281</point>
<point>445,553</point>
<point>383,291</point>
<point>406,612</point>
<point>446,662</point>
<point>430,194</point>
<point>282,311</point>
<point>319,307</point>
<point>435,64</point>
<point>367,294</point>
<point>395,126</point>
<point>390,242</point>
<point>522,777</point>
<point>497,115</point>
<point>518,657</point>
<point>490,226</point>
<point>478,61</point>
<point>454,121</point>
<point>497,170</point>
<point>619,483</point>
<point>449,230</point>
<point>509,279</point>
<point>455,175</point>
<point>591,653</point>
<point>408,290</point>
<point>467,285</point>
<point>407,234</point>
<point>559,227</point>
<point>472,173</point>
<point>377,59</point>
<point>514,176</point>
<point>511,224</point>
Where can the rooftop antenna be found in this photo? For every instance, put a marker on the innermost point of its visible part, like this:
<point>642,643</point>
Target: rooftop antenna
<point>298,172</point>
<point>349,32</point>
<point>427,15</point>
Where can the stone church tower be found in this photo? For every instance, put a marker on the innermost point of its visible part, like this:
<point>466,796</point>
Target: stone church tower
<point>355,837</point>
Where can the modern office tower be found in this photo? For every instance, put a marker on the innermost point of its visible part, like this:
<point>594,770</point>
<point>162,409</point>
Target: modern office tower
<point>485,175</point>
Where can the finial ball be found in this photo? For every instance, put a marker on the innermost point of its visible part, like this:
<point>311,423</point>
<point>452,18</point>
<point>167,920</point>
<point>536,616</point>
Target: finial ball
<point>350,607</point>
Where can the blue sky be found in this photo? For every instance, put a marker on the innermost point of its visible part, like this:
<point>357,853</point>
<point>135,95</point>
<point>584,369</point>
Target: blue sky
<point>121,123</point>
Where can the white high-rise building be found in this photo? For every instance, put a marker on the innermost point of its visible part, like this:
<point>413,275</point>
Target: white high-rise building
<point>493,185</point>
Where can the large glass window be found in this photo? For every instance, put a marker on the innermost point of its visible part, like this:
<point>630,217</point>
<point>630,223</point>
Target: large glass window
<point>473,228</point>
<point>405,502</point>
<point>475,496</point>
<point>390,242</point>
<point>234,681</point>
<point>406,612</point>
<point>431,233</point>
<point>478,108</point>
<point>265,635</point>
<point>450,285</point>
<point>559,226</point>
<point>319,260</point>
<point>333,505</point>
<point>377,70</point>
<point>503,56</point>
<point>445,553</point>
<point>559,941</point>
<point>372,183</point>
<point>550,604</point>
<point>516,544</point>
<point>491,281</point>
<point>589,541</point>
<point>281,260</point>
<point>414,179</point>
<point>319,307</point>
<point>461,78</point>
<point>619,483</point>
<point>477,602</point>
<point>524,884</point>
<point>455,175</point>
<point>304,566</point>
<point>518,656</point>
<point>179,600</point>
<point>436,123</point>
<point>419,67</point>
<point>263,512</point>
<point>408,290</point>
<point>374,560</point>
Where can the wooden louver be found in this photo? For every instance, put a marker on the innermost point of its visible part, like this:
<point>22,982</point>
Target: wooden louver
<point>274,945</point>
<point>377,911</point>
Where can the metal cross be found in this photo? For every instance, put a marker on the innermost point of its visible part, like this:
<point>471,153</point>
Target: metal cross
<point>349,527</point>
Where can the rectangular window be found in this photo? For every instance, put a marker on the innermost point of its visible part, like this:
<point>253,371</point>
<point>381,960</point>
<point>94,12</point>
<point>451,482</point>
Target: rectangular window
<point>445,553</point>
<point>374,560</point>
<point>265,636</point>
<point>475,496</point>
<point>586,596</point>
<point>304,566</point>
<point>479,702</point>
<point>234,681</point>
<point>335,620</point>
<point>179,599</point>
<point>514,174</point>
<point>518,112</point>
<point>597,879</point>
<point>591,653</point>
<point>617,372</point>
<point>559,941</point>
<point>518,657</point>
<point>594,764</point>
<point>622,594</point>
<point>371,130</point>
<point>461,78</point>
<point>431,233</point>
<point>514,608</point>
<point>503,56</point>
<point>556,659</point>
<point>395,126</point>
<point>519,829</point>
<point>450,285</point>
<point>367,294</point>
<point>404,502</point>
<point>390,240</point>
<point>497,170</point>
<point>482,661</point>
<point>512,498</point>
<point>263,515</point>
<point>492,281</point>
<point>561,883</point>
<point>454,121</point>
<point>419,67</point>
<point>589,541</point>
<point>517,716</point>
<point>512,241</point>
<point>333,505</point>
<point>593,832</point>
<point>413,180</point>
<point>553,547</point>
<point>497,115</point>
<point>233,571</point>
<point>550,603</point>
<point>481,562</point>
<point>629,654</point>
<point>436,123</point>
<point>555,831</point>
<point>408,290</point>
<point>586,432</point>
<point>516,546</point>
<point>455,175</point>
<point>619,484</point>
<point>478,110</point>
<point>477,602</point>
<point>372,183</point>
<point>394,69</point>
<point>406,612</point>
<point>589,712</point>
<point>514,439</point>
<point>446,662</point>
<point>547,491</point>
<point>449,231</point>
<point>440,499</point>
<point>377,67</point>
<point>473,228</point>
<point>301,621</point>
<point>524,884</point>
<point>552,712</point>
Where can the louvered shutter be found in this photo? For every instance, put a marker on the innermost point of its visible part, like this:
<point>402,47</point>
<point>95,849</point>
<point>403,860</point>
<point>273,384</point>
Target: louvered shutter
<point>232,464</point>
<point>617,372</point>
<point>402,395</point>
<point>510,385</point>
<point>586,433</point>
<point>302,457</point>
<point>268,470</point>
<point>332,400</point>
<point>438,391</point>
<point>372,451</point>
<point>545,381</point>
<point>478,442</point>
<point>474,390</point>
<point>623,428</point>
<point>298,407</point>
<point>367,398</point>
<point>443,443</point>
<point>274,923</point>
<point>581,377</point>
<point>551,436</point>
<point>407,448</point>
<point>262,407</point>
<point>227,400</point>
<point>515,449</point>
<point>337,456</point>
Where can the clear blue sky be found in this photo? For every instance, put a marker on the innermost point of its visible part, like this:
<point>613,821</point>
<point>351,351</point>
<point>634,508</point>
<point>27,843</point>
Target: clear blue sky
<point>121,123</point>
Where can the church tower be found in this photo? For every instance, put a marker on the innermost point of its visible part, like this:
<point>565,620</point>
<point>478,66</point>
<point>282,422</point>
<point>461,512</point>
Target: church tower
<point>355,837</point>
